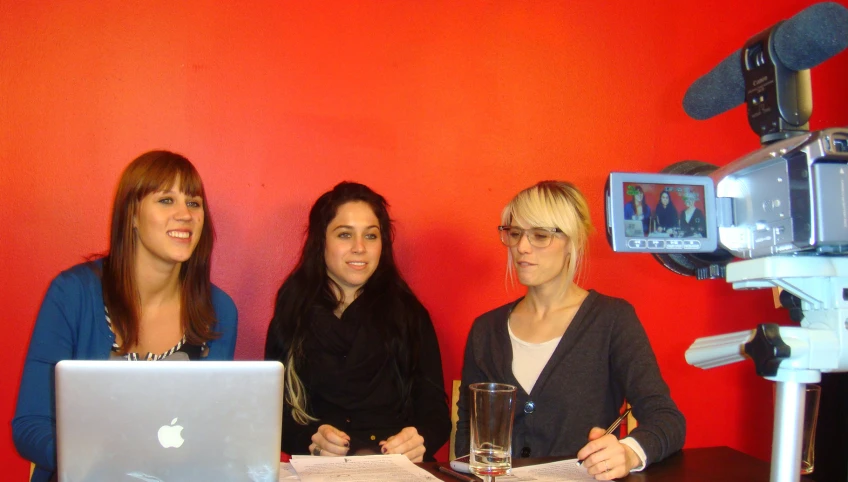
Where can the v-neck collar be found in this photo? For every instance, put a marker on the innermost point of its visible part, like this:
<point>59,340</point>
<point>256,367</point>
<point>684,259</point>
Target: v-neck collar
<point>563,347</point>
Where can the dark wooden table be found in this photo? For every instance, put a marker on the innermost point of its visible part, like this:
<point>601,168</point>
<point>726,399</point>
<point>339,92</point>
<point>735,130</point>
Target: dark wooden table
<point>714,464</point>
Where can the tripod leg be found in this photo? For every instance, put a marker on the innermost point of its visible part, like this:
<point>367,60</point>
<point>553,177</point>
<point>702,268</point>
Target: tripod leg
<point>788,427</point>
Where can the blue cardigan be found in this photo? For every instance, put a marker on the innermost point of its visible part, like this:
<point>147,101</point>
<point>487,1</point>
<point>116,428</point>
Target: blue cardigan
<point>71,325</point>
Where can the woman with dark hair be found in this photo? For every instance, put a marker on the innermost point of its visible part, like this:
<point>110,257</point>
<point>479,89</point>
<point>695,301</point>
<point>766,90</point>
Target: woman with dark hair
<point>363,368</point>
<point>149,298</point>
<point>637,209</point>
<point>666,213</point>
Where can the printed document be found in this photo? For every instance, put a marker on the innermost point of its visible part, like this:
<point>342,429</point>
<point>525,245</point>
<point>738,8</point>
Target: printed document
<point>562,471</point>
<point>287,472</point>
<point>361,468</point>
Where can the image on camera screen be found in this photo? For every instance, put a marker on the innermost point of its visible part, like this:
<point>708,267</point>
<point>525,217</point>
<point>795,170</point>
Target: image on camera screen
<point>664,211</point>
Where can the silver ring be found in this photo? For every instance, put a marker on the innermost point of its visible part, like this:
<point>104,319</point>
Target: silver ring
<point>606,465</point>
<point>317,450</point>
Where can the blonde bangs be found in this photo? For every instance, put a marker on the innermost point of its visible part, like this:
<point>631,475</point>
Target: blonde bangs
<point>552,204</point>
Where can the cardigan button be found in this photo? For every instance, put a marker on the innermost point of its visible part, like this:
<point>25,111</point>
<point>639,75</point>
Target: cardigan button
<point>529,407</point>
<point>525,452</point>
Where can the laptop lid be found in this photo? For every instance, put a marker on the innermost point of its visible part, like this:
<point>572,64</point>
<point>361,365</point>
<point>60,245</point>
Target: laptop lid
<point>168,421</point>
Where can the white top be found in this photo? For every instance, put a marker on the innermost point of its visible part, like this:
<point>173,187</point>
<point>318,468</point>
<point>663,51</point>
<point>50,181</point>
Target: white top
<point>528,359</point>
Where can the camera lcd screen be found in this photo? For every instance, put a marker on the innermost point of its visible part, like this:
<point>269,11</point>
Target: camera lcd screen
<point>660,213</point>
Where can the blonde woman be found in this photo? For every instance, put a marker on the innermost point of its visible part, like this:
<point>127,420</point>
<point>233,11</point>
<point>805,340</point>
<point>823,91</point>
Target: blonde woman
<point>575,355</point>
<point>692,221</point>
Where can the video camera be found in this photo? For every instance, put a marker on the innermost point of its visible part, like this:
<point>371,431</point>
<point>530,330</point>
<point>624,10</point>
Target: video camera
<point>780,211</point>
<point>791,196</point>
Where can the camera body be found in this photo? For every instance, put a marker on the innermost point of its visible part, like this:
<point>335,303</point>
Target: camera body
<point>788,197</point>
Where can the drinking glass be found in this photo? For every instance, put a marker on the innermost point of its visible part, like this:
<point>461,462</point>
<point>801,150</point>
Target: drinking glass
<point>812,396</point>
<point>808,441</point>
<point>492,412</point>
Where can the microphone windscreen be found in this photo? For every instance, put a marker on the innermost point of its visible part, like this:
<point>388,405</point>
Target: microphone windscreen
<point>812,36</point>
<point>719,90</point>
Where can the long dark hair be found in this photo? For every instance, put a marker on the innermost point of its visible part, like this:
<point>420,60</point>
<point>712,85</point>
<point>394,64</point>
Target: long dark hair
<point>152,172</point>
<point>387,301</point>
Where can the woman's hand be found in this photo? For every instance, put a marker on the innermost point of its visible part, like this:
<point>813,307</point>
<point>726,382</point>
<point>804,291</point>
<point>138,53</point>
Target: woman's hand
<point>605,457</point>
<point>406,442</point>
<point>329,440</point>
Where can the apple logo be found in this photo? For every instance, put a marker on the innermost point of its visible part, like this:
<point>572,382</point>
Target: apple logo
<point>169,435</point>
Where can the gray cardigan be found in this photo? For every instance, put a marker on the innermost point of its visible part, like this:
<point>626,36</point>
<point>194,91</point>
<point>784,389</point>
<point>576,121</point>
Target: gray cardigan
<point>603,358</point>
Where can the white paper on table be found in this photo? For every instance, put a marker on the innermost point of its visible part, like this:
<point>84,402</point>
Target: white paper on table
<point>360,468</point>
<point>287,472</point>
<point>562,471</point>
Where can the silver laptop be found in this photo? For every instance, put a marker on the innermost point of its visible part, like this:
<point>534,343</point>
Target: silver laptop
<point>168,421</point>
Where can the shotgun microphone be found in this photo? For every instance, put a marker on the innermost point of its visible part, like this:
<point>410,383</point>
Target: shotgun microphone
<point>807,39</point>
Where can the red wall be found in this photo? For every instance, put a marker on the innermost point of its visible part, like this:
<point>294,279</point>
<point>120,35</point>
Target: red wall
<point>447,108</point>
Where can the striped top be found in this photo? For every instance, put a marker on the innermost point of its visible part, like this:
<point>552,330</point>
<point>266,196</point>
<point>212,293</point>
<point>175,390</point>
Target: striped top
<point>181,351</point>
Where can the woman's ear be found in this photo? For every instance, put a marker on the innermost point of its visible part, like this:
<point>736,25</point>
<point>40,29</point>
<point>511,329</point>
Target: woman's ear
<point>133,208</point>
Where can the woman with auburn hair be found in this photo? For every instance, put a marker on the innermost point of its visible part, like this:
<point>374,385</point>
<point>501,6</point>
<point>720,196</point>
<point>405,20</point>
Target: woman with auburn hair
<point>637,209</point>
<point>363,368</point>
<point>149,298</point>
<point>574,355</point>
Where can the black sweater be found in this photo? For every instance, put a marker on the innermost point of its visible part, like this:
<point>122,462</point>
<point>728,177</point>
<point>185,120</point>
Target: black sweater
<point>603,358</point>
<point>351,384</point>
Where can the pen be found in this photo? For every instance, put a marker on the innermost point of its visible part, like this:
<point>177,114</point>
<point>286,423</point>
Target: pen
<point>612,427</point>
<point>457,475</point>
<point>617,422</point>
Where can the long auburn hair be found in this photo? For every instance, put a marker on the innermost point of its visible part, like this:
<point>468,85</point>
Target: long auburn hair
<point>389,303</point>
<point>151,172</point>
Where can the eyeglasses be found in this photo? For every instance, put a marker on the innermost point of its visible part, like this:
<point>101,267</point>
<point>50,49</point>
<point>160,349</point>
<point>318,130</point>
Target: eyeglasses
<point>538,237</point>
